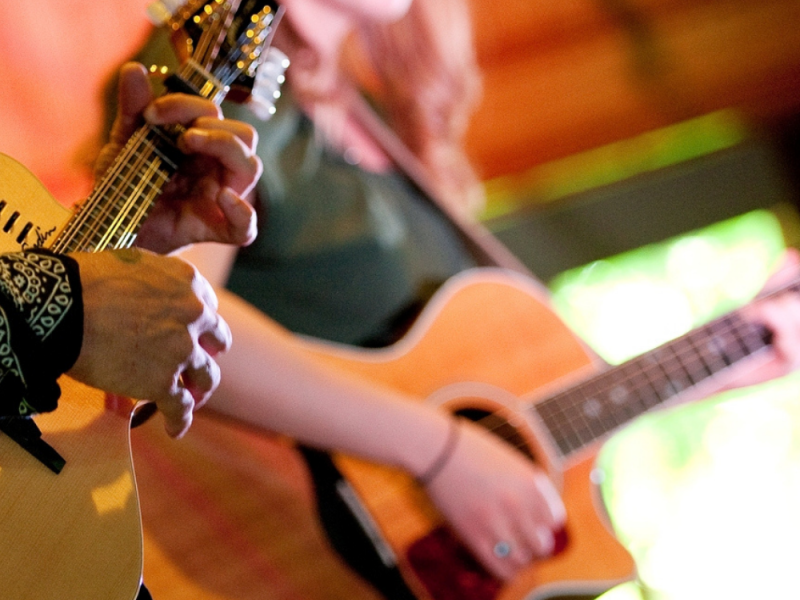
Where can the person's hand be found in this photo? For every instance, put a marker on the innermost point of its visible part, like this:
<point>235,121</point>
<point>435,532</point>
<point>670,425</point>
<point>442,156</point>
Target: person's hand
<point>151,331</point>
<point>205,199</point>
<point>490,493</point>
<point>781,315</point>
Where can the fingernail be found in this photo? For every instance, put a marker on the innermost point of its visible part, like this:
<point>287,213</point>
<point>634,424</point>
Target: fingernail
<point>547,540</point>
<point>150,114</point>
<point>228,198</point>
<point>194,136</point>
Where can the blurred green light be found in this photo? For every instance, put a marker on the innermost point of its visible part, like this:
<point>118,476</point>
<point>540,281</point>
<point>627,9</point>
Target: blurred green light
<point>614,162</point>
<point>704,496</point>
<point>630,303</point>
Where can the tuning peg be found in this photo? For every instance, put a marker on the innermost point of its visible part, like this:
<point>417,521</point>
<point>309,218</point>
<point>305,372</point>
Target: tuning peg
<point>267,85</point>
<point>161,11</point>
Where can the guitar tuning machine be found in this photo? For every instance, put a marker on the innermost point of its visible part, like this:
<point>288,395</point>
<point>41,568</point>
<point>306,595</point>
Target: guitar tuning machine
<point>266,88</point>
<point>161,11</point>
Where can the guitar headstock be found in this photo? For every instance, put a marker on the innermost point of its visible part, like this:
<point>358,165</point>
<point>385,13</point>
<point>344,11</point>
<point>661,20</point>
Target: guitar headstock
<point>225,41</point>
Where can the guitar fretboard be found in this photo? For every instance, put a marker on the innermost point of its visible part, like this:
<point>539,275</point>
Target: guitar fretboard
<point>112,214</point>
<point>122,200</point>
<point>583,415</point>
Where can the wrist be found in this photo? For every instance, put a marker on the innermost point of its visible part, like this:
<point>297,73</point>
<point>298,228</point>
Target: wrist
<point>441,460</point>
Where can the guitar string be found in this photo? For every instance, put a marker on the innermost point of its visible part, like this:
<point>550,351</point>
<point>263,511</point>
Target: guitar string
<point>125,190</point>
<point>77,233</point>
<point>77,225</point>
<point>663,377</point>
<point>80,228</point>
<point>231,68</point>
<point>143,210</point>
<point>207,44</point>
<point>150,181</point>
<point>130,193</point>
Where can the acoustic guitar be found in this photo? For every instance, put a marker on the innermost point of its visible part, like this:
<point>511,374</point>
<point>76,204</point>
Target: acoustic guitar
<point>76,532</point>
<point>489,347</point>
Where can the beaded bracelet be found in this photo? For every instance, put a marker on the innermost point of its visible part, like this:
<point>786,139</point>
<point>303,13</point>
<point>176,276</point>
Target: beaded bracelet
<point>443,457</point>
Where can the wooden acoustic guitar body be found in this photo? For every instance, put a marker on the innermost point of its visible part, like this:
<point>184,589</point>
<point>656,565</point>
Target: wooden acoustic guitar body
<point>485,342</point>
<point>76,534</point>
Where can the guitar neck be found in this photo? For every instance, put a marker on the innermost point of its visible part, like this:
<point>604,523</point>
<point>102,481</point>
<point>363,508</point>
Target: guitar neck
<point>589,412</point>
<point>111,216</point>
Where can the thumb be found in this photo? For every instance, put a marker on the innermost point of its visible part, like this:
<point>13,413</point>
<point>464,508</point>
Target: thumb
<point>135,93</point>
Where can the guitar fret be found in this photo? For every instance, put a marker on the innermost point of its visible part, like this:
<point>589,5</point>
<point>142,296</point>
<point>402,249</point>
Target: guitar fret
<point>651,388</point>
<point>552,414</point>
<point>723,344</point>
<point>597,409</point>
<point>696,360</point>
<point>734,339</point>
<point>679,370</point>
<point>626,403</point>
<point>627,392</point>
<point>670,373</point>
<point>121,201</point>
<point>753,337</point>
<point>598,406</point>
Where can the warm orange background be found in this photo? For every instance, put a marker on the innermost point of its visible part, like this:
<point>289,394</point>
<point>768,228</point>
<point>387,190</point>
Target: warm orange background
<point>560,77</point>
<point>54,56</point>
<point>566,76</point>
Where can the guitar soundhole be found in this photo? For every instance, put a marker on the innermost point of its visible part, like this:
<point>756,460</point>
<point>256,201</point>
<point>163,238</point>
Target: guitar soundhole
<point>448,571</point>
<point>499,426</point>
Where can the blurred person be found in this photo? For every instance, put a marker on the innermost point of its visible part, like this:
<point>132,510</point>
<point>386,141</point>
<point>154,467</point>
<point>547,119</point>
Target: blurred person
<point>350,248</point>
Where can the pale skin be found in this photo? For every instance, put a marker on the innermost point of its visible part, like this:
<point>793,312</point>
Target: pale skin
<point>486,491</point>
<point>151,328</point>
<point>270,381</point>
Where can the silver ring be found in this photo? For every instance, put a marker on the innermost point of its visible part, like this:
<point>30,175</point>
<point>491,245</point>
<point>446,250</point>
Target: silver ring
<point>502,549</point>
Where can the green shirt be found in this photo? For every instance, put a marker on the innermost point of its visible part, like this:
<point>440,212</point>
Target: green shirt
<point>342,253</point>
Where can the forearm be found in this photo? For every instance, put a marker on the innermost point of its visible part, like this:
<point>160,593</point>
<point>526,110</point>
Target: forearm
<point>269,380</point>
<point>484,489</point>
